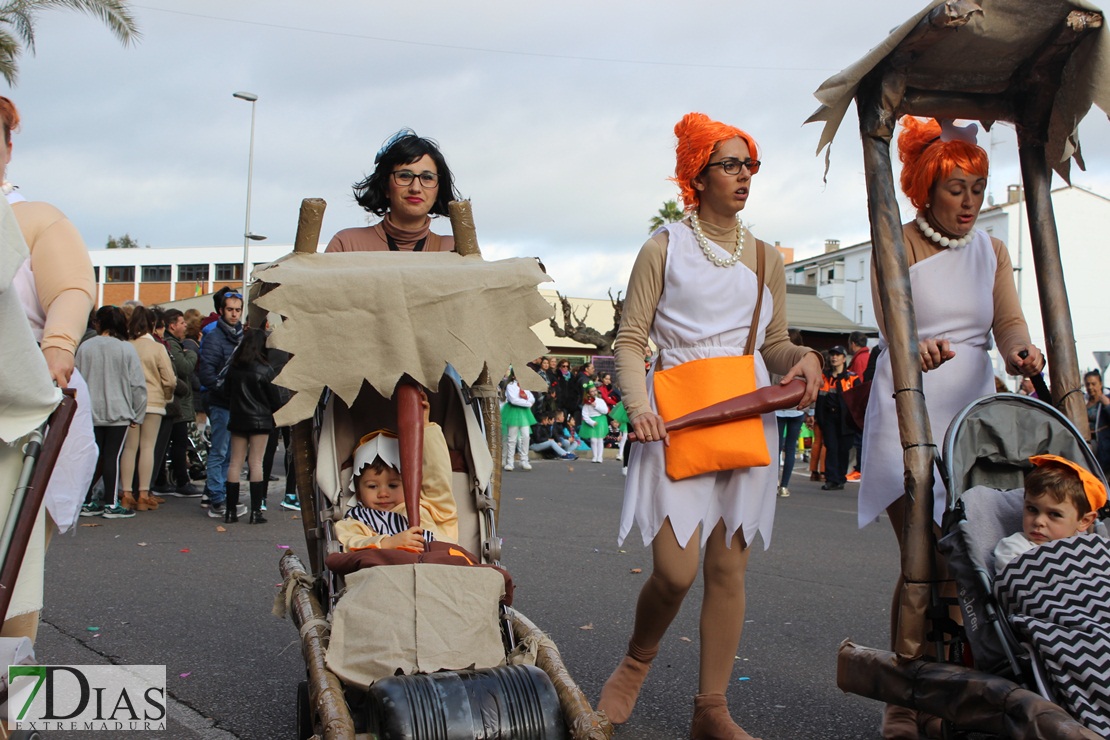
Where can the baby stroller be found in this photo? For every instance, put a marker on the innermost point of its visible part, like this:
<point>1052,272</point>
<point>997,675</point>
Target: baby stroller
<point>412,649</point>
<point>985,456</point>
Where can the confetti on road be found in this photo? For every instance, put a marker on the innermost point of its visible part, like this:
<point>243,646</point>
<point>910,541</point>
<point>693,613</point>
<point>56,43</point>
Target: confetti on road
<point>685,639</point>
<point>519,498</point>
<point>589,626</point>
<point>185,675</point>
<point>142,544</point>
<point>221,529</point>
<point>92,524</point>
<point>743,678</point>
<point>92,629</point>
<point>636,570</point>
<point>184,550</point>
<point>283,547</point>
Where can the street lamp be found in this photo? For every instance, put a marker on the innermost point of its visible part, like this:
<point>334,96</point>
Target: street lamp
<point>247,235</point>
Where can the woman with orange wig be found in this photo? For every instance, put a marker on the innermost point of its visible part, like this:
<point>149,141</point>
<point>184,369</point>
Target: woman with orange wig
<point>963,292</point>
<point>693,292</point>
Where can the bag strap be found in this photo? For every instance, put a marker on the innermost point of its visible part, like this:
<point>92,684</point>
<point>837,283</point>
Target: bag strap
<point>760,273</point>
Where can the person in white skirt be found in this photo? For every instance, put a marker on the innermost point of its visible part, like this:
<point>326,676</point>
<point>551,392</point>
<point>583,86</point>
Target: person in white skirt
<point>595,422</point>
<point>693,292</point>
<point>517,420</point>
<point>963,292</point>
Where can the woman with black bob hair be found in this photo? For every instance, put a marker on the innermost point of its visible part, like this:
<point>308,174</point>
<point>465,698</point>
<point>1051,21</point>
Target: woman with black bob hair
<point>410,183</point>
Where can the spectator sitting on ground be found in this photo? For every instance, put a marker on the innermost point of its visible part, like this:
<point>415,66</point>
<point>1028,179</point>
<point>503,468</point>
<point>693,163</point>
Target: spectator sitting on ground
<point>544,440</point>
<point>377,519</point>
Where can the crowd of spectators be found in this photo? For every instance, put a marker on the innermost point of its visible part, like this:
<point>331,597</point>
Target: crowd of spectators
<point>164,410</point>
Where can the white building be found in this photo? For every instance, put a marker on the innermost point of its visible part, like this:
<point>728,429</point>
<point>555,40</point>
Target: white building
<point>842,276</point>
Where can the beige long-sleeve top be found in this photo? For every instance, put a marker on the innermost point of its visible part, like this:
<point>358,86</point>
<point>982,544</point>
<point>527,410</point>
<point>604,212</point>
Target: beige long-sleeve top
<point>645,287</point>
<point>376,239</point>
<point>438,512</point>
<point>1009,327</point>
<point>63,272</point>
<point>158,371</point>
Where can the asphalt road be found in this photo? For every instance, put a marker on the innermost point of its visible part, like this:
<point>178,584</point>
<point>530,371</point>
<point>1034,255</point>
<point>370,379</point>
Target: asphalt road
<point>169,587</point>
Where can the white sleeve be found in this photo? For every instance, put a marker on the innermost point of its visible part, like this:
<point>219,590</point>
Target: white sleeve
<point>1009,548</point>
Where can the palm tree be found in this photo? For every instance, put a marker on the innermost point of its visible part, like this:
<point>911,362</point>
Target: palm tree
<point>668,214</point>
<point>17,26</point>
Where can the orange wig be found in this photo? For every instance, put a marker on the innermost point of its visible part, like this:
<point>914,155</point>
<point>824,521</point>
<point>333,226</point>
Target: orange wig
<point>698,135</point>
<point>927,159</point>
<point>9,116</point>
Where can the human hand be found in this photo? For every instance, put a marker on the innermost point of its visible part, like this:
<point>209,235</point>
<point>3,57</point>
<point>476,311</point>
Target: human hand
<point>411,539</point>
<point>60,364</point>
<point>650,427</point>
<point>809,369</point>
<point>1028,365</point>
<point>934,353</point>
<point>426,406</point>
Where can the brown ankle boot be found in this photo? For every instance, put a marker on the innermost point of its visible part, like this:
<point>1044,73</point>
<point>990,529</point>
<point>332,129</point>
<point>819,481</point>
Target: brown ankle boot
<point>899,723</point>
<point>127,501</point>
<point>146,503</point>
<point>619,694</point>
<point>712,720</point>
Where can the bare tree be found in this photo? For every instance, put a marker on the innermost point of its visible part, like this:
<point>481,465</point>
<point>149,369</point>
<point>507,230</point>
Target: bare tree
<point>574,327</point>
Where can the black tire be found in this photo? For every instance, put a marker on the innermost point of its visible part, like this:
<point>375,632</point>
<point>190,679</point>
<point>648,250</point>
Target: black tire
<point>305,715</point>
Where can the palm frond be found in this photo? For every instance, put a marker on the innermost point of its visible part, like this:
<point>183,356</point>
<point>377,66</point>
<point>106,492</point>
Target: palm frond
<point>10,49</point>
<point>20,18</point>
<point>113,13</point>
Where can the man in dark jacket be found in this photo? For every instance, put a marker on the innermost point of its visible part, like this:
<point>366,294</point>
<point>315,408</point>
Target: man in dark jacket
<point>216,349</point>
<point>184,361</point>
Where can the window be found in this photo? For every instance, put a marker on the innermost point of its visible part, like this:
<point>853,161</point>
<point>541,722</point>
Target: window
<point>121,274</point>
<point>832,275</point>
<point>96,273</point>
<point>156,273</point>
<point>233,271</point>
<point>192,273</point>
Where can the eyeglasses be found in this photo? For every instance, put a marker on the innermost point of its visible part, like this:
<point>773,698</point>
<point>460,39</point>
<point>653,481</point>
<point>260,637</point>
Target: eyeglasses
<point>731,166</point>
<point>404,178</point>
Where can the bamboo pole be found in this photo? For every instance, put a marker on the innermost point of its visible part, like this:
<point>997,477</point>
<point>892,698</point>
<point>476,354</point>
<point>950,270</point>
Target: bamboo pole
<point>466,243</point>
<point>304,467</point>
<point>1059,335</point>
<point>325,692</point>
<point>876,105</point>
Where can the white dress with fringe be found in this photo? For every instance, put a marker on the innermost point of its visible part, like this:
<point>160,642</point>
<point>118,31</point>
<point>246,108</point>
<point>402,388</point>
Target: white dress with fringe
<point>704,311</point>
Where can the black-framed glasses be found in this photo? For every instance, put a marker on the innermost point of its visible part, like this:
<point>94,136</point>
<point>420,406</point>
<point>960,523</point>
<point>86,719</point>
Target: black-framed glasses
<point>404,178</point>
<point>732,165</point>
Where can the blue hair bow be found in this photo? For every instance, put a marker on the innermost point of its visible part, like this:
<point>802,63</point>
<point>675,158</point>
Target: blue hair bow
<point>391,141</point>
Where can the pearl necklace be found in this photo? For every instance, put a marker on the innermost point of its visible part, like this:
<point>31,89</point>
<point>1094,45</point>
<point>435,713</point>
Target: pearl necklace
<point>710,254</point>
<point>941,239</point>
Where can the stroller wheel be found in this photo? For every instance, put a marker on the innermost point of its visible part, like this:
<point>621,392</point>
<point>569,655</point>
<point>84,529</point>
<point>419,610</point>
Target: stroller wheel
<point>305,715</point>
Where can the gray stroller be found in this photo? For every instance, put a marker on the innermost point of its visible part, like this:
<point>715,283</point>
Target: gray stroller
<point>985,457</point>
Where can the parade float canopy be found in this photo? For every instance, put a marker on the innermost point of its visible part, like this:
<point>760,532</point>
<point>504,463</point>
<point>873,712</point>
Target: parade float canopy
<point>982,69</point>
<point>351,317</point>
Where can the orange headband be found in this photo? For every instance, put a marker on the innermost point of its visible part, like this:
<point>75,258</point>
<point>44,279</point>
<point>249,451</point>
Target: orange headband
<point>698,135</point>
<point>1092,486</point>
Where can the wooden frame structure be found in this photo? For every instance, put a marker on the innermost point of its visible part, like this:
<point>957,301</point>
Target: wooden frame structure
<point>1029,82</point>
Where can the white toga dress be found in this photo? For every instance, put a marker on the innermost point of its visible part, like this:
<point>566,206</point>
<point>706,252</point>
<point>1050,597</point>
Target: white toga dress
<point>953,299</point>
<point>704,311</point>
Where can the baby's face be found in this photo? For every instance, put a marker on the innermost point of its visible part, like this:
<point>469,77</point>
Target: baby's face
<point>381,491</point>
<point>1046,520</point>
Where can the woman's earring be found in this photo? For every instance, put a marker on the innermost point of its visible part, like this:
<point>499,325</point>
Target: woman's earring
<point>928,206</point>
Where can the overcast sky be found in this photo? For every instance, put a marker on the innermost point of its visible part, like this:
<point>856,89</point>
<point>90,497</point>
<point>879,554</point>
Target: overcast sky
<point>556,118</point>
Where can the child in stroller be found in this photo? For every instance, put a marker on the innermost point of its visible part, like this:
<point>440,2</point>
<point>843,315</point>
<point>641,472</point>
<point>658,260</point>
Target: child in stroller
<point>376,519</point>
<point>1061,499</point>
<point>1042,620</point>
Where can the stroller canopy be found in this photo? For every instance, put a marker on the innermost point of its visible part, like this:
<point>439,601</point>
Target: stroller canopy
<point>376,316</point>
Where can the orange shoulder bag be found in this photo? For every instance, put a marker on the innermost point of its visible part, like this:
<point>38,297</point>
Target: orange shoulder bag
<point>698,384</point>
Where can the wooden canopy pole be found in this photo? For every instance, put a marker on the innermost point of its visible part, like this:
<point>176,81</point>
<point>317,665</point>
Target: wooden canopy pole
<point>876,102</point>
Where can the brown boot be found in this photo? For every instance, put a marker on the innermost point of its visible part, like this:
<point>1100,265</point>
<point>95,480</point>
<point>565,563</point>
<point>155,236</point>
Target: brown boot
<point>712,720</point>
<point>619,694</point>
<point>146,502</point>
<point>127,501</point>
<point>899,723</point>
<point>157,499</point>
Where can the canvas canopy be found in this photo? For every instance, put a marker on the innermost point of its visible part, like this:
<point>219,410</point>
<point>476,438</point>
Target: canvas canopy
<point>355,317</point>
<point>994,40</point>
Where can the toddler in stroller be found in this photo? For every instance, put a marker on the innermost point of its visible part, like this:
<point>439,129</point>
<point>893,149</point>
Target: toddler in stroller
<point>376,518</point>
<point>1041,620</point>
<point>1060,500</point>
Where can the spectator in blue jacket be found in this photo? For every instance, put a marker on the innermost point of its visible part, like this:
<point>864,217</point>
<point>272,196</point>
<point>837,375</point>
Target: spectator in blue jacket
<point>216,349</point>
